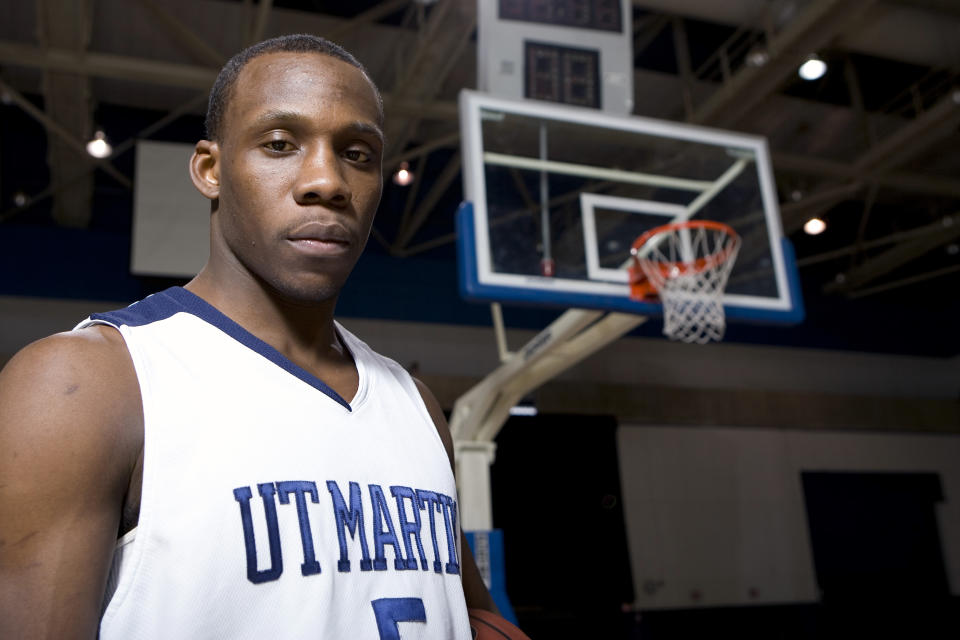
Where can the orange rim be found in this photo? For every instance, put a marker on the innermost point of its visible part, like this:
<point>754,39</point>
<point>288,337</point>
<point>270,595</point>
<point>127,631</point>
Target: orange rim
<point>640,286</point>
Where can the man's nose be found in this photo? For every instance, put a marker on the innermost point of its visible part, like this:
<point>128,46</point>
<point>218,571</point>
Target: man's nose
<point>321,179</point>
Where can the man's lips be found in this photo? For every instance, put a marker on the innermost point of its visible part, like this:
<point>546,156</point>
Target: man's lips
<point>321,238</point>
<point>322,231</point>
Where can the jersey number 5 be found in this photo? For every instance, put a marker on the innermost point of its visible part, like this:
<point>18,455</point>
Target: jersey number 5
<point>390,611</point>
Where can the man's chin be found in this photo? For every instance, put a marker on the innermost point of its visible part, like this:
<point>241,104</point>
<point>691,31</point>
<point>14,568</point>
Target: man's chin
<point>308,294</point>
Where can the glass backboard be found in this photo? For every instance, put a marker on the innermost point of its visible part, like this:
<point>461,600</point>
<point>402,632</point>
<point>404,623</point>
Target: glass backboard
<point>556,195</point>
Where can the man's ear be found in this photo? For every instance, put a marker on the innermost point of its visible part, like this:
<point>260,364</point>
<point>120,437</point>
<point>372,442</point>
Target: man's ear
<point>205,169</point>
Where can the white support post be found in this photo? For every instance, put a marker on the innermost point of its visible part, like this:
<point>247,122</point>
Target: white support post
<point>479,414</point>
<point>473,477</point>
<point>497,313</point>
<point>472,407</point>
<point>561,357</point>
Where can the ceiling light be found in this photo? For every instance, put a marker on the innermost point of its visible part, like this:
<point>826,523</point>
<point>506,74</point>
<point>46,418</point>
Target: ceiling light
<point>98,146</point>
<point>814,226</point>
<point>813,68</point>
<point>403,176</point>
<point>757,57</point>
<point>523,410</point>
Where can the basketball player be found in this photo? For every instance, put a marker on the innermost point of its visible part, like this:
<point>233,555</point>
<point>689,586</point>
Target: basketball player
<point>224,460</point>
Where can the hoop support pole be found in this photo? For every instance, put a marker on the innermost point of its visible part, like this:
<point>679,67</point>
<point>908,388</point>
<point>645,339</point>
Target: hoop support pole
<point>559,359</point>
<point>470,409</point>
<point>480,413</point>
<point>497,313</point>
<point>473,460</point>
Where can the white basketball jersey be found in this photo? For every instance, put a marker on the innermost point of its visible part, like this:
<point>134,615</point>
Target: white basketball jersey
<point>271,507</point>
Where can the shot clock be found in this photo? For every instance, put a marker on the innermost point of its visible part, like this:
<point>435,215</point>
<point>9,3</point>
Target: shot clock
<point>576,52</point>
<point>604,15</point>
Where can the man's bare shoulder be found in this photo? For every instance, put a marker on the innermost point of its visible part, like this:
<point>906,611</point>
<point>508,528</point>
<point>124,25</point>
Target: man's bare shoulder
<point>81,381</point>
<point>95,341</point>
<point>70,436</point>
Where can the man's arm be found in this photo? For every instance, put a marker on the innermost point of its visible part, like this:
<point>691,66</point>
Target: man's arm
<point>70,433</point>
<point>474,589</point>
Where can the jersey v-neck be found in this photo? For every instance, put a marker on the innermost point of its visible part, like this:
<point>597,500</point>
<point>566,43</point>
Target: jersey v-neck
<point>177,299</point>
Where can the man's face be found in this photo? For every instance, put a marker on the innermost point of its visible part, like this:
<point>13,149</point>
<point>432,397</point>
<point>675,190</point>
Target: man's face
<point>300,173</point>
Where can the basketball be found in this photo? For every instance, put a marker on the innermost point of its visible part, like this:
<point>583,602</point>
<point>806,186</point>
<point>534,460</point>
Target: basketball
<point>489,626</point>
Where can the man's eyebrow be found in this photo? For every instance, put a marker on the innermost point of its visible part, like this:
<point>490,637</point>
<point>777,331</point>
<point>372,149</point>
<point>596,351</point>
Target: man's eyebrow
<point>361,126</point>
<point>280,116</point>
<point>277,115</point>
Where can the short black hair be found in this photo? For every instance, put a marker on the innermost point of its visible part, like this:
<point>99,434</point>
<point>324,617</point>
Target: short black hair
<point>222,90</point>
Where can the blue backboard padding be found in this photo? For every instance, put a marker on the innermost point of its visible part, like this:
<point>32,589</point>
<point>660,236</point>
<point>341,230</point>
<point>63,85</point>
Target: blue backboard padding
<point>472,289</point>
<point>498,571</point>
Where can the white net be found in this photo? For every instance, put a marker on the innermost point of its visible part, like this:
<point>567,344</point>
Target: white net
<point>688,265</point>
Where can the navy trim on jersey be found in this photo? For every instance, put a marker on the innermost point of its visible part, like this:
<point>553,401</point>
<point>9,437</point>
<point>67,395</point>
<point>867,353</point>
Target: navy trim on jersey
<point>154,308</point>
<point>164,304</point>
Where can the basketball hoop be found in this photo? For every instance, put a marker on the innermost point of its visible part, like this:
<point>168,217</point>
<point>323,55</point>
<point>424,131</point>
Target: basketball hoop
<point>687,265</point>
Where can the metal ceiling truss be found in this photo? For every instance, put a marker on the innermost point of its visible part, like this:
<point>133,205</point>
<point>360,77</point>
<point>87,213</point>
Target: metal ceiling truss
<point>904,144</point>
<point>819,23</point>
<point>68,107</point>
<point>824,167</point>
<point>442,39</point>
<point>183,35</point>
<point>259,24</point>
<point>369,16</point>
<point>934,228</point>
<point>903,282</point>
<point>856,102</point>
<point>201,77</point>
<point>90,163</point>
<point>896,256</point>
<point>426,207</point>
<point>64,136</point>
<point>868,203</point>
<point>646,30</point>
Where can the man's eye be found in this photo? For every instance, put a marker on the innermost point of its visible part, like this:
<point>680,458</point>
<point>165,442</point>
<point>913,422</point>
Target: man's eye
<point>279,145</point>
<point>356,155</point>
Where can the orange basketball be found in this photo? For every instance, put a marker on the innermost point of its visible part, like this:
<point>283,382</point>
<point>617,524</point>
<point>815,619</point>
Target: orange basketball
<point>490,626</point>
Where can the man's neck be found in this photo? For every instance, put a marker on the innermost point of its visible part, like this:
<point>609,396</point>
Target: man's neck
<point>304,332</point>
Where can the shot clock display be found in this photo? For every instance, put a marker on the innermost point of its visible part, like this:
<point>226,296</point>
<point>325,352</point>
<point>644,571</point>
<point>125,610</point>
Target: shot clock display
<point>603,15</point>
<point>562,74</point>
<point>574,52</point>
